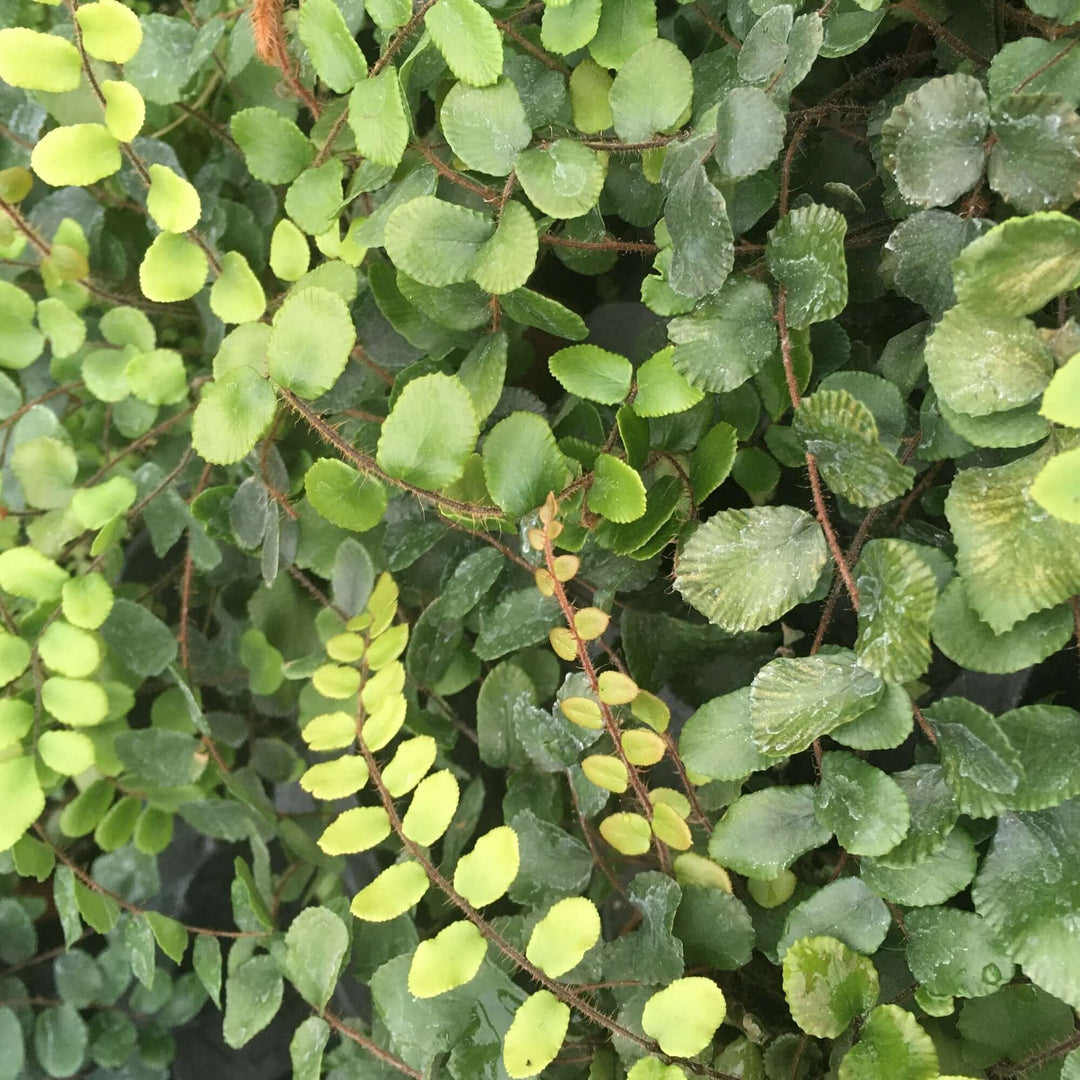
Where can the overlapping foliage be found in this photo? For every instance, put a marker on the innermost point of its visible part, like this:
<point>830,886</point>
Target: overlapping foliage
<point>574,505</point>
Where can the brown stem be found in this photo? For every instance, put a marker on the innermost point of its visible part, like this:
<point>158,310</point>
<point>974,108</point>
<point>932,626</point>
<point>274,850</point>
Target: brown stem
<point>518,38</point>
<point>715,27</point>
<point>939,31</point>
<point>371,1047</point>
<point>90,883</point>
<point>691,794</point>
<point>392,50</point>
<point>924,727</point>
<point>367,465</point>
<point>634,246</point>
<point>811,461</point>
<point>587,833</point>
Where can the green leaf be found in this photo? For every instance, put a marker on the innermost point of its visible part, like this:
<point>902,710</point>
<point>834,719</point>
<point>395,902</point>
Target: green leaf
<point>955,953</point>
<point>590,84</point>
<point>522,617</point>
<point>929,880</point>
<point>749,133</point>
<point>170,935</point>
<point>891,1040</point>
<point>714,927</point>
<point>563,180</point>
<point>1057,487</point>
<point>335,55</point>
<point>984,363</point>
<point>138,638</point>
<point>429,433</point>
<point>564,935</point>
<point>484,874</point>
<point>253,994</point>
<point>378,119</point>
<point>505,262</point>
<point>702,242</point>
<point>1045,741</point>
<point>898,595</point>
<point>766,831</point>
<point>11,1036</point>
<point>1019,266</point>
<point>313,200</point>
<point>60,1040</point>
<point>1014,427</point>
<point>485,126</point>
<point>661,390</point>
<point>592,373</point>
<point>536,1035</point>
<point>469,40</point>
<point>1015,1023</point>
<point>806,255</point>
<point>728,570</point>
<point>827,985</point>
<point>314,948</point>
<point>46,470</point>
<point>765,47</point>
<point>522,463</point>
<point>727,339</point>
<point>289,252</point>
<point>533,309</point>
<point>625,25</point>
<point>651,91</point>
<point>64,329</point>
<point>966,640</point>
<point>78,154</point>
<point>233,413</point>
<point>206,959</point>
<point>865,807</point>
<point>274,148</point>
<point>717,741</point>
<point>345,496</point>
<point>841,433</point>
<point>651,953</point>
<point>617,492</point>
<point>310,342</point>
<point>35,61</point>
<point>1015,558</point>
<point>684,1016</point>
<point>1032,129</point>
<point>436,242</point>
<point>173,269</point>
<point>448,960</point>
<point>932,142</point>
<point>306,1048</point>
<point>795,700</point>
<point>846,910</point>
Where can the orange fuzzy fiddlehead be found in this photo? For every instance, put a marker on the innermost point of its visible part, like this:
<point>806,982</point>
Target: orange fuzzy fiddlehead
<point>269,31</point>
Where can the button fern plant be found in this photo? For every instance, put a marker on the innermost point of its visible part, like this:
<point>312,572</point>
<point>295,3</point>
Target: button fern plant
<point>540,539</point>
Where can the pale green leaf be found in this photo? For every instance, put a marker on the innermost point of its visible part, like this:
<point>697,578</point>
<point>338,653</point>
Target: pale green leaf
<point>310,342</point>
<point>378,119</point>
<point>897,599</point>
<point>173,269</point>
<point>592,373</point>
<point>865,807</point>
<point>727,339</point>
<point>806,255</point>
<point>485,126</point>
<point>564,935</point>
<point>749,133</point>
<point>795,700</point>
<point>448,960</point>
<point>36,61</point>
<point>891,1043</point>
<point>1015,558</point>
<point>841,433</point>
<point>651,91</point>
<point>436,242</point>
<point>932,142</point>
<point>1057,486</point>
<point>522,463</point>
<point>505,262</point>
<point>827,985</point>
<point>617,492</point>
<point>469,40</point>
<point>625,25</point>
<point>233,413</point>
<point>429,433</point>
<point>536,1035</point>
<point>764,832</point>
<point>564,179</point>
<point>335,55</point>
<point>274,148</point>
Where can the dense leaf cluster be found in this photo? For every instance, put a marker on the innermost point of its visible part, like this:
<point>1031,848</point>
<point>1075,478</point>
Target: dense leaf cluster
<point>540,538</point>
